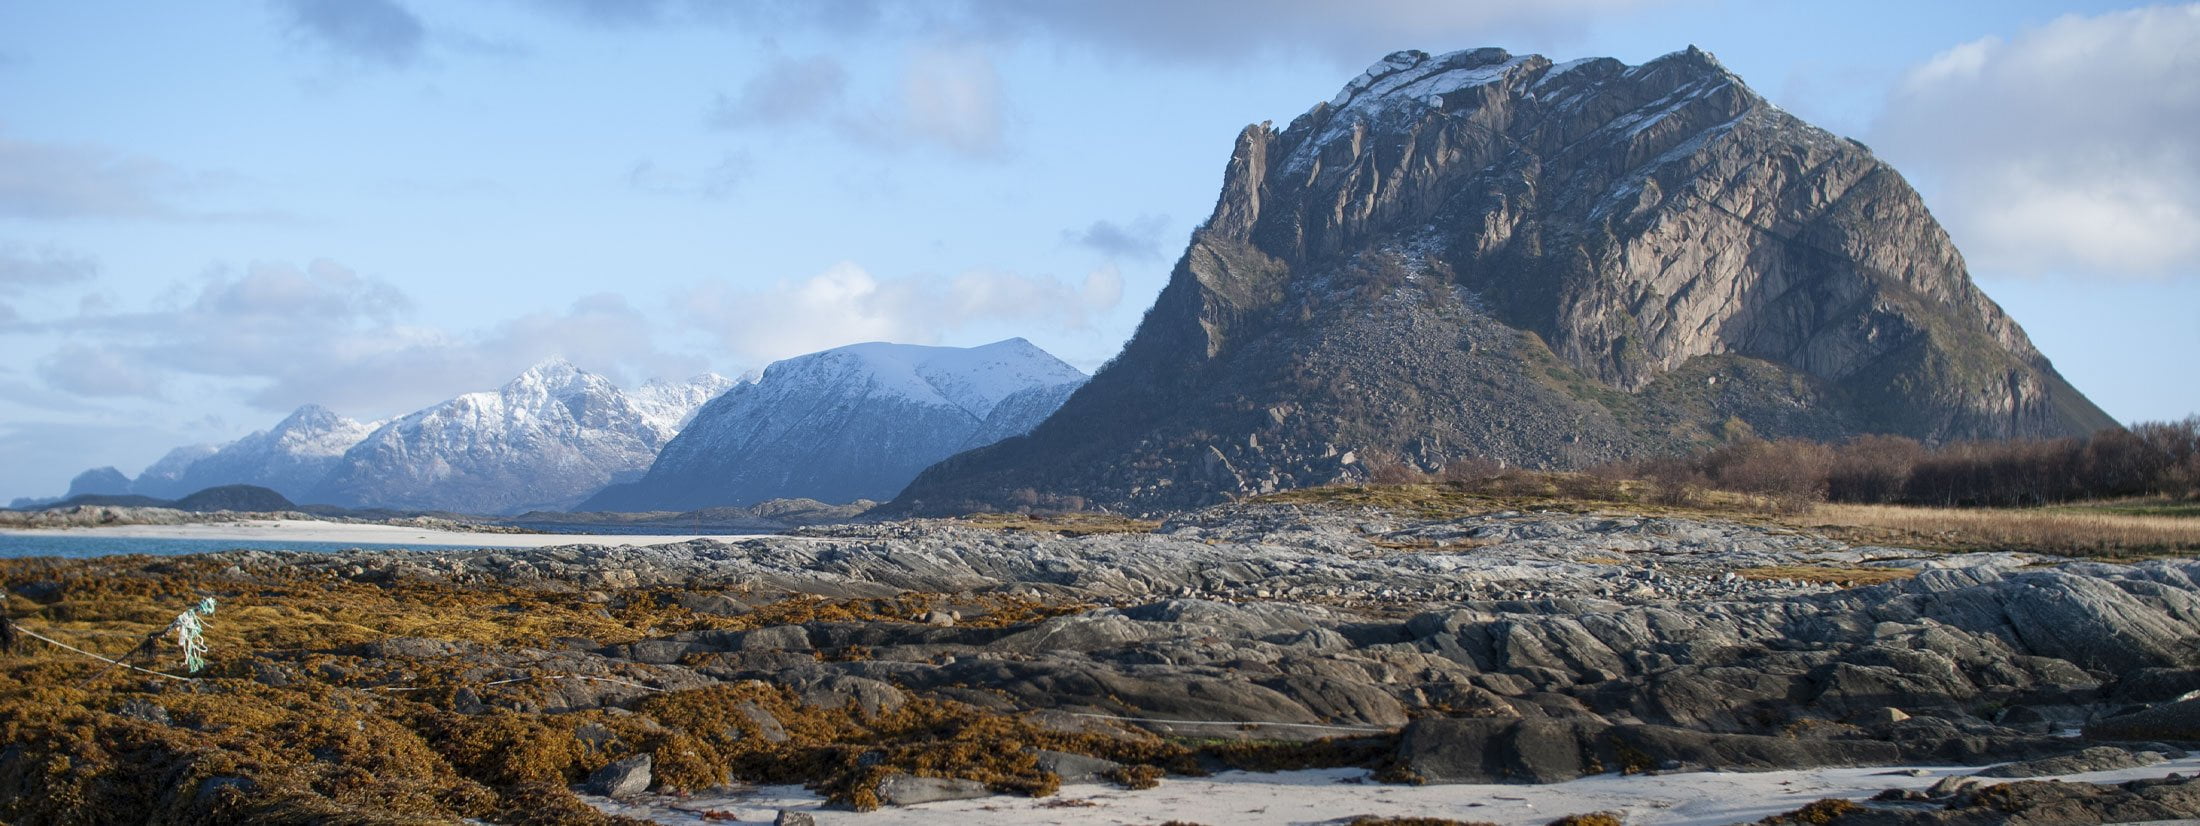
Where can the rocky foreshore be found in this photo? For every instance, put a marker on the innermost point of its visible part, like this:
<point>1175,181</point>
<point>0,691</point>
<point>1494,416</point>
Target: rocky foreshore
<point>1508,646</point>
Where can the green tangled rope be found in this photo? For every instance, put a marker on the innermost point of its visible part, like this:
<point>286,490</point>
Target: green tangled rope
<point>191,634</point>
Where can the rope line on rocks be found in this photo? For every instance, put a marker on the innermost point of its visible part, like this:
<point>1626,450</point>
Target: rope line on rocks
<point>535,677</point>
<point>35,635</point>
<point>1366,729</point>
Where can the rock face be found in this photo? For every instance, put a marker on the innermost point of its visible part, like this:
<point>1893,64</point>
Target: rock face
<point>291,458</point>
<point>100,481</point>
<point>1486,255</point>
<point>856,422</point>
<point>164,478</point>
<point>543,441</point>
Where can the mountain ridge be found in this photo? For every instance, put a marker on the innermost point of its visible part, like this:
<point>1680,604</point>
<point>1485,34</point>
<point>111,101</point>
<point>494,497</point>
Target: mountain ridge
<point>1486,255</point>
<point>543,440</point>
<point>849,423</point>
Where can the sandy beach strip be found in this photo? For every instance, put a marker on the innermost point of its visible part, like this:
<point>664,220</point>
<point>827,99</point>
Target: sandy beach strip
<point>1328,796</point>
<point>305,530</point>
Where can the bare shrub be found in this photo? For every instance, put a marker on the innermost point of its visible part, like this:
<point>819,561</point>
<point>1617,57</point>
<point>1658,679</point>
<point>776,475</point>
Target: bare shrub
<point>1872,469</point>
<point>1471,471</point>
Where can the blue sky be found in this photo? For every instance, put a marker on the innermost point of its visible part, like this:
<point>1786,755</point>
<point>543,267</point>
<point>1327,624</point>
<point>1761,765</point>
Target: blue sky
<point>211,213</point>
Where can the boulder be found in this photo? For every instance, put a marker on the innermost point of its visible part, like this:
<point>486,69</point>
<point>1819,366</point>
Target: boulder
<point>621,779</point>
<point>2170,721</point>
<point>2095,759</point>
<point>909,790</point>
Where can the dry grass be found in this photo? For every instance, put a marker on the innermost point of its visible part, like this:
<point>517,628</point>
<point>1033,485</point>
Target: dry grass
<point>1066,524</point>
<point>1827,574</point>
<point>2132,529</point>
<point>2058,530</point>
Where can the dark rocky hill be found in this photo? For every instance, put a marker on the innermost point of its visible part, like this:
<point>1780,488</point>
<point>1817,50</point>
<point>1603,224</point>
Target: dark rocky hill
<point>241,498</point>
<point>1487,255</point>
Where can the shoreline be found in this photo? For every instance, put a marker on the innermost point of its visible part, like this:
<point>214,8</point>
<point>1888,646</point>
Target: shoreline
<point>301,530</point>
<point>1697,798</point>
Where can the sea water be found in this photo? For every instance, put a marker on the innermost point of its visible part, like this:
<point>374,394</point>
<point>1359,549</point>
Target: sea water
<point>17,545</point>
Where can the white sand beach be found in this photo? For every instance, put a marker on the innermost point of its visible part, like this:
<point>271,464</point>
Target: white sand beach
<point>307,530</point>
<point>1337,795</point>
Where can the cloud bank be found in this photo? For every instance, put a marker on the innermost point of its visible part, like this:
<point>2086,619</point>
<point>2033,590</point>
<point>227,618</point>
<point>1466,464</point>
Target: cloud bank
<point>378,32</point>
<point>2068,148</point>
<point>846,304</point>
<point>323,333</point>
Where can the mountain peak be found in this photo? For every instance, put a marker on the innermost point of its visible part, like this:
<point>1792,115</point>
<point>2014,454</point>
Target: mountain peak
<point>309,415</point>
<point>556,377</point>
<point>973,379</point>
<point>1488,255</point>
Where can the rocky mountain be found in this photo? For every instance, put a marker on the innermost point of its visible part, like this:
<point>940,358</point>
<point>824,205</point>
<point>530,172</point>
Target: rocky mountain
<point>164,478</point>
<point>291,458</point>
<point>543,441</point>
<point>99,481</point>
<point>1487,255</point>
<point>669,406</point>
<point>855,422</point>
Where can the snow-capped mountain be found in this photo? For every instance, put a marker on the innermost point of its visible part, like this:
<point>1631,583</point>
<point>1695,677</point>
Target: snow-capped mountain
<point>854,422</point>
<point>542,441</point>
<point>669,406</point>
<point>291,458</point>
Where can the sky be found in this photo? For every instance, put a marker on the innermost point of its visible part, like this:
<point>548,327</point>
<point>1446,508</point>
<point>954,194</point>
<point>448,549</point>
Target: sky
<point>214,212</point>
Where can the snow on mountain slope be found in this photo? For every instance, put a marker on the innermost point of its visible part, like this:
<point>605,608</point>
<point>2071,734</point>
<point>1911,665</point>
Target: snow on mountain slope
<point>854,422</point>
<point>290,458</point>
<point>163,479</point>
<point>544,440</point>
<point>669,406</point>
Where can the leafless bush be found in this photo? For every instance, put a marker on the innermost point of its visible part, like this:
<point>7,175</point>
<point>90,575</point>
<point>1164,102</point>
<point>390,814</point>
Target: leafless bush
<point>1471,471</point>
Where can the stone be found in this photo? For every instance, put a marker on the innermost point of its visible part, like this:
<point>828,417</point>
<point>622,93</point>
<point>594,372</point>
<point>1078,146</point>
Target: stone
<point>2170,721</point>
<point>143,711</point>
<point>621,779</point>
<point>1074,768</point>
<point>789,817</point>
<point>1881,716</point>
<point>909,790</point>
<point>2095,759</point>
<point>767,726</point>
<point>1951,786</point>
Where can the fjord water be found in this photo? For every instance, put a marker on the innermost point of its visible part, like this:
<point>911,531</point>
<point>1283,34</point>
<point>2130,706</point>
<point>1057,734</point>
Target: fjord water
<point>74,546</point>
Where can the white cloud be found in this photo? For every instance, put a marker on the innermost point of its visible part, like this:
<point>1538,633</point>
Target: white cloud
<point>325,334</point>
<point>371,31</point>
<point>1139,238</point>
<point>50,181</point>
<point>2068,148</point>
<point>787,90</point>
<point>717,181</point>
<point>23,269</point>
<point>96,371</point>
<point>846,304</point>
<point>1231,30</point>
<point>952,96</point>
<point>943,97</point>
